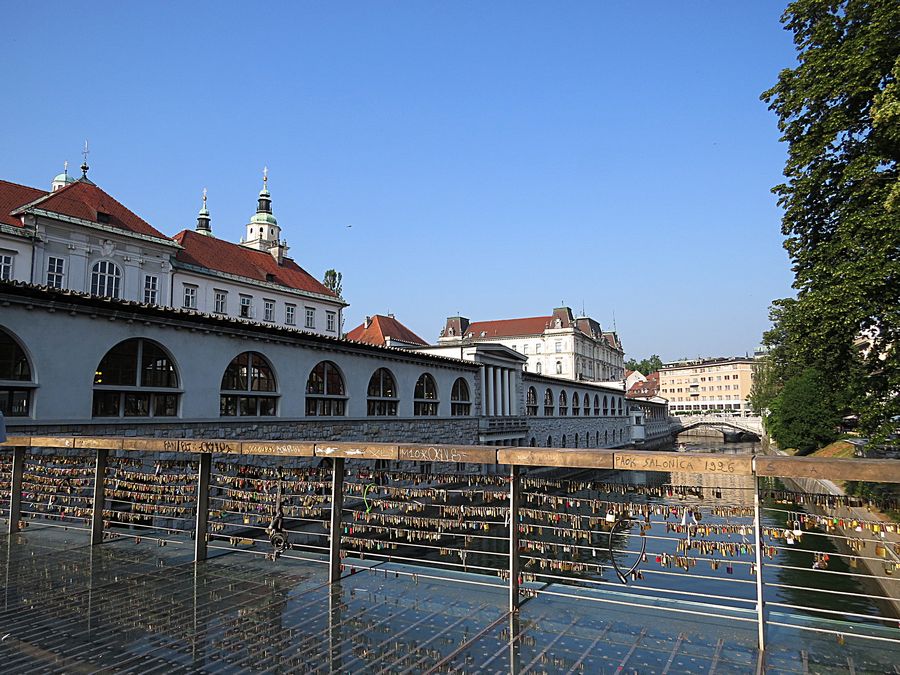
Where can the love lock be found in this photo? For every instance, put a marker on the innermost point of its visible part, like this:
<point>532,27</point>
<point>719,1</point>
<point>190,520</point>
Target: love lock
<point>277,536</point>
<point>621,523</point>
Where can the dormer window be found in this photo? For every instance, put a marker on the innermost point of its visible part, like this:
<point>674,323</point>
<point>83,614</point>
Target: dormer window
<point>270,277</point>
<point>102,217</point>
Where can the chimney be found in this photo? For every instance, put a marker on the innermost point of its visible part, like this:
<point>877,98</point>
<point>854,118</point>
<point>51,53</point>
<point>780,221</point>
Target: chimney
<point>368,321</point>
<point>390,316</point>
<point>278,251</point>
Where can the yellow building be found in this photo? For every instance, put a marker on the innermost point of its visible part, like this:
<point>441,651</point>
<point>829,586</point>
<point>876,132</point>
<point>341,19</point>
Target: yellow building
<point>707,385</point>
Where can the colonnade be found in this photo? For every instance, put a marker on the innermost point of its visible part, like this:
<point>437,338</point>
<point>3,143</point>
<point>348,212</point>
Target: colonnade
<point>498,391</point>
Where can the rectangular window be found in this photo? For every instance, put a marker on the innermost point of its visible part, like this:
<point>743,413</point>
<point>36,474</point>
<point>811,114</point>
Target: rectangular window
<point>290,314</point>
<point>221,304</point>
<point>558,347</point>
<point>310,317</point>
<point>190,297</point>
<point>268,310</point>
<point>330,318</point>
<point>55,268</point>
<point>6,267</point>
<point>151,289</point>
<point>246,307</point>
<point>525,348</point>
<point>537,348</point>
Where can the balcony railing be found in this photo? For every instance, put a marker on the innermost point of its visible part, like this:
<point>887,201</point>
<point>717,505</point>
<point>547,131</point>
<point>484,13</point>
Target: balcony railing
<point>690,535</point>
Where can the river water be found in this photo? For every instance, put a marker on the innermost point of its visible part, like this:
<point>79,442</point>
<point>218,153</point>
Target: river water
<point>790,572</point>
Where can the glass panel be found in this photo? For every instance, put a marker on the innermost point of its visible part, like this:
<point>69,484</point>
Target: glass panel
<point>157,370</point>
<point>262,377</point>
<point>316,382</point>
<point>228,406</point>
<point>15,402</point>
<point>165,405</point>
<point>119,366</point>
<point>335,383</point>
<point>137,405</point>
<point>267,406</point>
<point>106,404</point>
<point>235,377</point>
<point>13,363</point>
<point>247,406</point>
<point>460,390</point>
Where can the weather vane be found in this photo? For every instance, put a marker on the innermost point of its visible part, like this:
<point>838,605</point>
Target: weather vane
<point>85,153</point>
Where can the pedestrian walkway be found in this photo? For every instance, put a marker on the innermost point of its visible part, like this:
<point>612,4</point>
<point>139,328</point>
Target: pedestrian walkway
<point>132,605</point>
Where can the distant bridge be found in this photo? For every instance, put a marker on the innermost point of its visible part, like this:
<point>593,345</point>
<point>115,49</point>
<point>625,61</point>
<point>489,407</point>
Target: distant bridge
<point>722,423</point>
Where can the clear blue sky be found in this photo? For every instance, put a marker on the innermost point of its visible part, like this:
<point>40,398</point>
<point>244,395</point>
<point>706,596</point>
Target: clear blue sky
<point>493,158</point>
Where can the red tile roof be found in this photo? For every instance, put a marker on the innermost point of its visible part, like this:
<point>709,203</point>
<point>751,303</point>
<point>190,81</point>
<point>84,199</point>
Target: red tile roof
<point>534,325</point>
<point>222,256</point>
<point>12,196</point>
<point>85,200</point>
<point>382,327</point>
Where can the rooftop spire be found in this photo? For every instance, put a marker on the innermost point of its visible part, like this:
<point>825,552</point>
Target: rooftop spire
<point>66,168</point>
<point>203,219</point>
<point>84,164</point>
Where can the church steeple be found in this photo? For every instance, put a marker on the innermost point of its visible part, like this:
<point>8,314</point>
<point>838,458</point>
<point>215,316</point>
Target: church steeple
<point>203,219</point>
<point>263,232</point>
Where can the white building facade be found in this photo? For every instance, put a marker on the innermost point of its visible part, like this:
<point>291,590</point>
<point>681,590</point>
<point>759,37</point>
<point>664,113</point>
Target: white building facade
<point>559,345</point>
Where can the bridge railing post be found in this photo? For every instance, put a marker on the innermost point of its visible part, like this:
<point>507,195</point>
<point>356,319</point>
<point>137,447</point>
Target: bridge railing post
<point>15,489</point>
<point>515,496</point>
<point>99,496</point>
<point>202,507</point>
<point>335,527</point>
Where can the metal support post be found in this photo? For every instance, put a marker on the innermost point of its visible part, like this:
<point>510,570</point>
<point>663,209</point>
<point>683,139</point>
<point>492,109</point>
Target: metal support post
<point>202,507</point>
<point>515,494</point>
<point>757,536</point>
<point>15,490</point>
<point>99,496</point>
<point>337,506</point>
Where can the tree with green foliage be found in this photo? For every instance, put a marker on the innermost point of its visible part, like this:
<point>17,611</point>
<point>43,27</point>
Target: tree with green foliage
<point>803,416</point>
<point>839,112</point>
<point>646,366</point>
<point>332,282</point>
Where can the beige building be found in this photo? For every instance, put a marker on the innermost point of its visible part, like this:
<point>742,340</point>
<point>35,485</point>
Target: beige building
<point>707,385</point>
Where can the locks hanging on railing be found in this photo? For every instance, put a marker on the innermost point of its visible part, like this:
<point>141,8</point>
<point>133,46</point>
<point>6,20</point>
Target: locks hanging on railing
<point>277,536</point>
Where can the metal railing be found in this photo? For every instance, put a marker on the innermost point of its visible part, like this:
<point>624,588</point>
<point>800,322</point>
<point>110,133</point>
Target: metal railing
<point>693,534</point>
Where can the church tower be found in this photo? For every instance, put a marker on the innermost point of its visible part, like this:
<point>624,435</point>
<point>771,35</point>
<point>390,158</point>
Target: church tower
<point>262,231</point>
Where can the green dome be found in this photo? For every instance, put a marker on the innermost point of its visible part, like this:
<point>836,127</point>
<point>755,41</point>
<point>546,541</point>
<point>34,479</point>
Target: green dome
<point>263,219</point>
<point>64,178</point>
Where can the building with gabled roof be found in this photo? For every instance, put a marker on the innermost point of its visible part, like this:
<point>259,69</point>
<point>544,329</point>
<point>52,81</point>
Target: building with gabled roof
<point>77,237</point>
<point>254,279</point>
<point>560,344</point>
<point>385,331</point>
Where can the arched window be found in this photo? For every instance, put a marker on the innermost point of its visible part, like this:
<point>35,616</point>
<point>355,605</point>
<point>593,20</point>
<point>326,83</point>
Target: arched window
<point>563,404</point>
<point>548,404</point>
<point>605,437</point>
<point>460,403</point>
<point>105,279</point>
<point>549,441</point>
<point>325,391</point>
<point>533,442</point>
<point>425,400</point>
<point>135,379</point>
<point>559,367</point>
<point>576,406</point>
<point>248,387</point>
<point>531,401</point>
<point>576,440</point>
<point>563,442</point>
<point>597,412</point>
<point>620,406</point>
<point>15,378</point>
<point>605,406</point>
<point>382,394</point>
<point>539,368</point>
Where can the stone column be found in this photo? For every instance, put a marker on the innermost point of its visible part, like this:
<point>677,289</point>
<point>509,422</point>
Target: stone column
<point>498,393</point>
<point>484,397</point>
<point>489,391</point>
<point>512,400</point>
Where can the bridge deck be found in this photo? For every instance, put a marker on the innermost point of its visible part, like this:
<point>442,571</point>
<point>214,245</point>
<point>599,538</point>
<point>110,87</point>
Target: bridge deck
<point>134,606</point>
